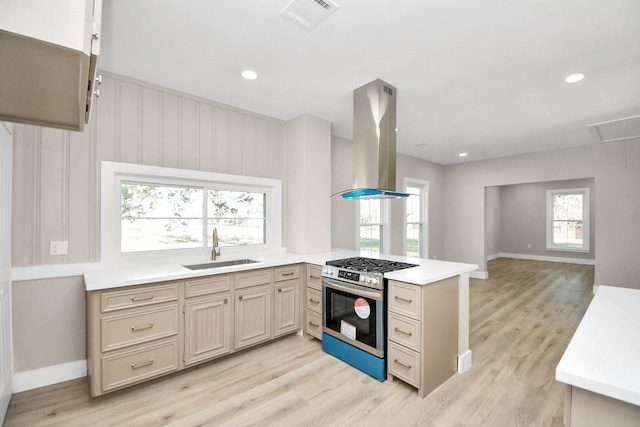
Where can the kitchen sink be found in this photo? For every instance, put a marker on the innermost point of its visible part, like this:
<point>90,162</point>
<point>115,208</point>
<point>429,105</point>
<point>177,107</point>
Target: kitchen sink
<point>218,264</point>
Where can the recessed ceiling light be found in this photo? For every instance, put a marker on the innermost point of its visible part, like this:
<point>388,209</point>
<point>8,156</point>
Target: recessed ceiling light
<point>463,154</point>
<point>249,75</point>
<point>574,78</point>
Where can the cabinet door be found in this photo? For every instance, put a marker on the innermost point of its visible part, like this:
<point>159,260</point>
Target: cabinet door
<point>207,328</point>
<point>286,306</point>
<point>252,316</point>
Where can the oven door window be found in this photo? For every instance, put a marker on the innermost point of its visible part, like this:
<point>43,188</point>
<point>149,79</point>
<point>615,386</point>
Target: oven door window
<point>351,315</point>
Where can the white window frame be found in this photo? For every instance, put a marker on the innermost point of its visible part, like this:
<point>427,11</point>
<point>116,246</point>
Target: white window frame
<point>114,174</point>
<point>586,232</point>
<point>384,219</point>
<point>424,185</point>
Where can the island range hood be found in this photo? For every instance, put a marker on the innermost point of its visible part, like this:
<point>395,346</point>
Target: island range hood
<point>374,142</point>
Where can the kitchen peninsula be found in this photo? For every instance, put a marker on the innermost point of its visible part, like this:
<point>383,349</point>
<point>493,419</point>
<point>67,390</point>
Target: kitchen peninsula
<point>143,322</point>
<point>600,365</point>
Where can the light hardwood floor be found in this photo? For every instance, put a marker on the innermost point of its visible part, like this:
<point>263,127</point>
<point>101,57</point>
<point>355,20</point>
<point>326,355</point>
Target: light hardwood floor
<point>521,320</point>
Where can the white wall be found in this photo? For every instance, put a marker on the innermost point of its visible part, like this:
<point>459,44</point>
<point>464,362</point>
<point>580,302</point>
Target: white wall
<point>492,222</point>
<point>523,213</point>
<point>308,184</point>
<point>615,168</point>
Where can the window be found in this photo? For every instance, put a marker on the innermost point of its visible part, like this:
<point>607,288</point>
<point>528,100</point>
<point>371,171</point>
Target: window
<point>415,218</point>
<point>568,220</point>
<point>164,213</point>
<point>371,226</point>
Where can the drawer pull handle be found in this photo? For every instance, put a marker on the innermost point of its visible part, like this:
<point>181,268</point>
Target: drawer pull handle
<point>402,364</point>
<point>291,273</point>
<point>402,332</point>
<point>142,298</point>
<point>314,277</point>
<point>315,325</point>
<point>312,301</point>
<point>142,364</point>
<point>142,327</point>
<point>408,301</point>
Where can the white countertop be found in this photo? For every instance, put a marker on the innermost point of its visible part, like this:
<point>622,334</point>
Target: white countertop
<point>428,271</point>
<point>602,356</point>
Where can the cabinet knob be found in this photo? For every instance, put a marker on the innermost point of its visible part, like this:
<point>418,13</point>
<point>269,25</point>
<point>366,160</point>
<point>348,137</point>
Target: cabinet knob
<point>240,297</point>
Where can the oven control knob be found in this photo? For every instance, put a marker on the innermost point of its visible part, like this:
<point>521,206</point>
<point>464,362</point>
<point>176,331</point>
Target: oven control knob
<point>369,279</point>
<point>374,281</point>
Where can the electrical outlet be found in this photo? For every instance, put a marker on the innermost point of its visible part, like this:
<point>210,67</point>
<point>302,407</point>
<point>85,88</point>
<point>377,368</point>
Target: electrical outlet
<point>58,248</point>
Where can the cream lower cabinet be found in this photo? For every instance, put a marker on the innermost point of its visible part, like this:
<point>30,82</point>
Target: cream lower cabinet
<point>141,332</point>
<point>423,333</point>
<point>313,301</point>
<point>286,300</point>
<point>253,307</point>
<point>207,314</point>
<point>133,334</point>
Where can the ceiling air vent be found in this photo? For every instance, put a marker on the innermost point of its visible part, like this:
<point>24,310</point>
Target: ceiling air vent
<point>616,130</point>
<point>308,13</point>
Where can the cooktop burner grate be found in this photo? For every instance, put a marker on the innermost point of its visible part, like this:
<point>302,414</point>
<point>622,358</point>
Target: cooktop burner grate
<point>370,265</point>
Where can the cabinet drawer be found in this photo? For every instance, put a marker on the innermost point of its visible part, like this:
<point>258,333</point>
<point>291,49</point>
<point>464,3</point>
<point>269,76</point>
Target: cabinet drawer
<point>314,276</point>
<point>140,326</point>
<point>405,299</point>
<point>404,364</point>
<point>404,331</point>
<point>314,324</point>
<point>125,368</point>
<point>253,278</point>
<point>287,273</point>
<point>314,300</point>
<point>207,285</point>
<point>138,297</point>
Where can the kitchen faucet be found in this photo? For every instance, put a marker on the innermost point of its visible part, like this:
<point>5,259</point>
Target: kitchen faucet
<point>215,251</point>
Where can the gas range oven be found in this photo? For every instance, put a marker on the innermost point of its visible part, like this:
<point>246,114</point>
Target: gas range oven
<point>354,311</point>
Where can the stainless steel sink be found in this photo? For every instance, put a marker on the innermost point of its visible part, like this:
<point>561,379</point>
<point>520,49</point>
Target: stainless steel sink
<point>219,264</point>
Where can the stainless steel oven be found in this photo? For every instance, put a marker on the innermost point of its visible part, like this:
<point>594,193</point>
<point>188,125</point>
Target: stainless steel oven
<point>354,312</point>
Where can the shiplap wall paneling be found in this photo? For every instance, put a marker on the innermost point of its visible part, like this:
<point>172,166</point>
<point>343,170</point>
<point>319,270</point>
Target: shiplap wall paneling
<point>128,123</point>
<point>83,196</point>
<point>188,136</point>
<point>25,204</point>
<point>206,136</point>
<point>222,138</point>
<point>57,173</point>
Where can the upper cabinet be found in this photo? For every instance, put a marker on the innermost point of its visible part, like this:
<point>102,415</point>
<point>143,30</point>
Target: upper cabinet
<point>49,50</point>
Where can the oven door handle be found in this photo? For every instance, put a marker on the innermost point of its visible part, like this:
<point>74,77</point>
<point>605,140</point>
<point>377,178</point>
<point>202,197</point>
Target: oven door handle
<point>335,284</point>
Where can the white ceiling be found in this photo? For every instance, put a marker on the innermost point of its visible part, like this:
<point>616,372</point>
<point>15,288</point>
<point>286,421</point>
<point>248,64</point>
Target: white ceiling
<point>486,77</point>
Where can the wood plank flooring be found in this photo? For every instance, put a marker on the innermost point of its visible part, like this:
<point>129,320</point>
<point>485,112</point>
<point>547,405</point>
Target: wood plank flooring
<point>521,320</point>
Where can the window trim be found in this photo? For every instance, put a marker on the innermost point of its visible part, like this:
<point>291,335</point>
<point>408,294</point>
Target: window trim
<point>113,174</point>
<point>414,182</point>
<point>586,225</point>
<point>384,224</point>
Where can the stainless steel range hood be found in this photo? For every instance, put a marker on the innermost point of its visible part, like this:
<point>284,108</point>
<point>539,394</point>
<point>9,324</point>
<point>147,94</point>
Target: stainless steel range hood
<point>374,142</point>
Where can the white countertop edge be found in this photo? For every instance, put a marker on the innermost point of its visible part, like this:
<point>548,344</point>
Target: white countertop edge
<point>599,387</point>
<point>428,271</point>
<point>601,354</point>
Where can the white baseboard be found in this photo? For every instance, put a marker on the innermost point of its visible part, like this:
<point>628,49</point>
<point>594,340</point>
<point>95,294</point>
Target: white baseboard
<point>545,258</point>
<point>464,362</point>
<point>28,380</point>
<point>492,256</point>
<point>478,274</point>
